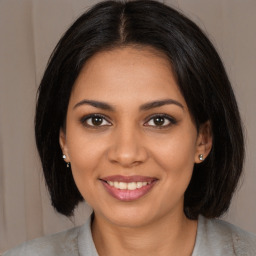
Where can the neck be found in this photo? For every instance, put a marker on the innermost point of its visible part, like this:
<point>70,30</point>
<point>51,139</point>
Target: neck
<point>168,236</point>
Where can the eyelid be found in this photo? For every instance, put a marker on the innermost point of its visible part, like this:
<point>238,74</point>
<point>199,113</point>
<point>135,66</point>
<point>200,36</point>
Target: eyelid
<point>171,119</point>
<point>87,117</point>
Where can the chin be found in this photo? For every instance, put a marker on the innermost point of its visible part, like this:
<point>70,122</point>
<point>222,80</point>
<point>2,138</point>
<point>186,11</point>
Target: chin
<point>131,216</point>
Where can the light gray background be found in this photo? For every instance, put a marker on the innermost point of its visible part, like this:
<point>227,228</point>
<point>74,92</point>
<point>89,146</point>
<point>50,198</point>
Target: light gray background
<point>28,32</point>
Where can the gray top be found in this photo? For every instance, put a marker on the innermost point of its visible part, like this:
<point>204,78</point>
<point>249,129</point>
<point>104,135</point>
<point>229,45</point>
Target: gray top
<point>214,238</point>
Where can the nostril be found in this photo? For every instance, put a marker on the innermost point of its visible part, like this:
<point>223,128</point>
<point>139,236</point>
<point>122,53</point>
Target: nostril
<point>127,152</point>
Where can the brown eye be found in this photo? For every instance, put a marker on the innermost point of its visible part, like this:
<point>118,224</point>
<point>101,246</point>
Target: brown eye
<point>95,121</point>
<point>160,121</point>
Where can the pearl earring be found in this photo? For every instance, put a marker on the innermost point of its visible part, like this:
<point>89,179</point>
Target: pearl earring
<point>201,157</point>
<point>68,163</point>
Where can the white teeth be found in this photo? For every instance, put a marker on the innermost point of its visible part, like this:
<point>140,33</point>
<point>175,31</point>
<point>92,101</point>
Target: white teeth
<point>139,185</point>
<point>132,185</point>
<point>129,185</point>
<point>122,185</point>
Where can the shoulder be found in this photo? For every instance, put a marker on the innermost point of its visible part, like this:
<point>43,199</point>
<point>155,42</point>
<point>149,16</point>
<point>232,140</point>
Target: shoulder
<point>218,237</point>
<point>226,229</point>
<point>73,242</point>
<point>63,243</point>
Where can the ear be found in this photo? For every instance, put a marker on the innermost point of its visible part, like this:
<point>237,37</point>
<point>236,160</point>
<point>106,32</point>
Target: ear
<point>63,145</point>
<point>204,141</point>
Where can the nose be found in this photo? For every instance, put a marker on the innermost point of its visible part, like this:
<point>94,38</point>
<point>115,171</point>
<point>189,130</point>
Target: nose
<point>127,148</point>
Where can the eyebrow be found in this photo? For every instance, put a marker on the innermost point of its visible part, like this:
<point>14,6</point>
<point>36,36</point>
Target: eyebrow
<point>160,103</point>
<point>96,104</point>
<point>144,107</point>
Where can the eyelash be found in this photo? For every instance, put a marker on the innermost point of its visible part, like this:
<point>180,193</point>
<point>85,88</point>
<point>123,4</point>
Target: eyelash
<point>170,119</point>
<point>85,119</point>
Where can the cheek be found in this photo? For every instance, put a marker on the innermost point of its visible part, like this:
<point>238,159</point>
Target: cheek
<point>84,149</point>
<point>176,156</point>
<point>84,171</point>
<point>85,155</point>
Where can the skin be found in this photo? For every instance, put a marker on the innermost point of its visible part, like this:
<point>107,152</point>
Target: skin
<point>128,142</point>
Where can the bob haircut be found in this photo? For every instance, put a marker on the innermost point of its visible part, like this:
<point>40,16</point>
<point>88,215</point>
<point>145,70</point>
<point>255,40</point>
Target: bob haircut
<point>201,78</point>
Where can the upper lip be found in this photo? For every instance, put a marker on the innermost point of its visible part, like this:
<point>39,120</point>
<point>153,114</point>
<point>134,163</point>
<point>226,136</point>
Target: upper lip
<point>134,178</point>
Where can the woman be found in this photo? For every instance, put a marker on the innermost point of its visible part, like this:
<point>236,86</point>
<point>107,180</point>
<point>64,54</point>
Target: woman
<point>136,115</point>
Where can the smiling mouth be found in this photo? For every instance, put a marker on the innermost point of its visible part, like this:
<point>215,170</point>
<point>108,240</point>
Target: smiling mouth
<point>128,188</point>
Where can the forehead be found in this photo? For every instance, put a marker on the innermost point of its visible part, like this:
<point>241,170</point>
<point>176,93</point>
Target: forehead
<point>127,74</point>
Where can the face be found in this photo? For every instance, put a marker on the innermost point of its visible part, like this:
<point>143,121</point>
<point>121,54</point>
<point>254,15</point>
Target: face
<point>129,137</point>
